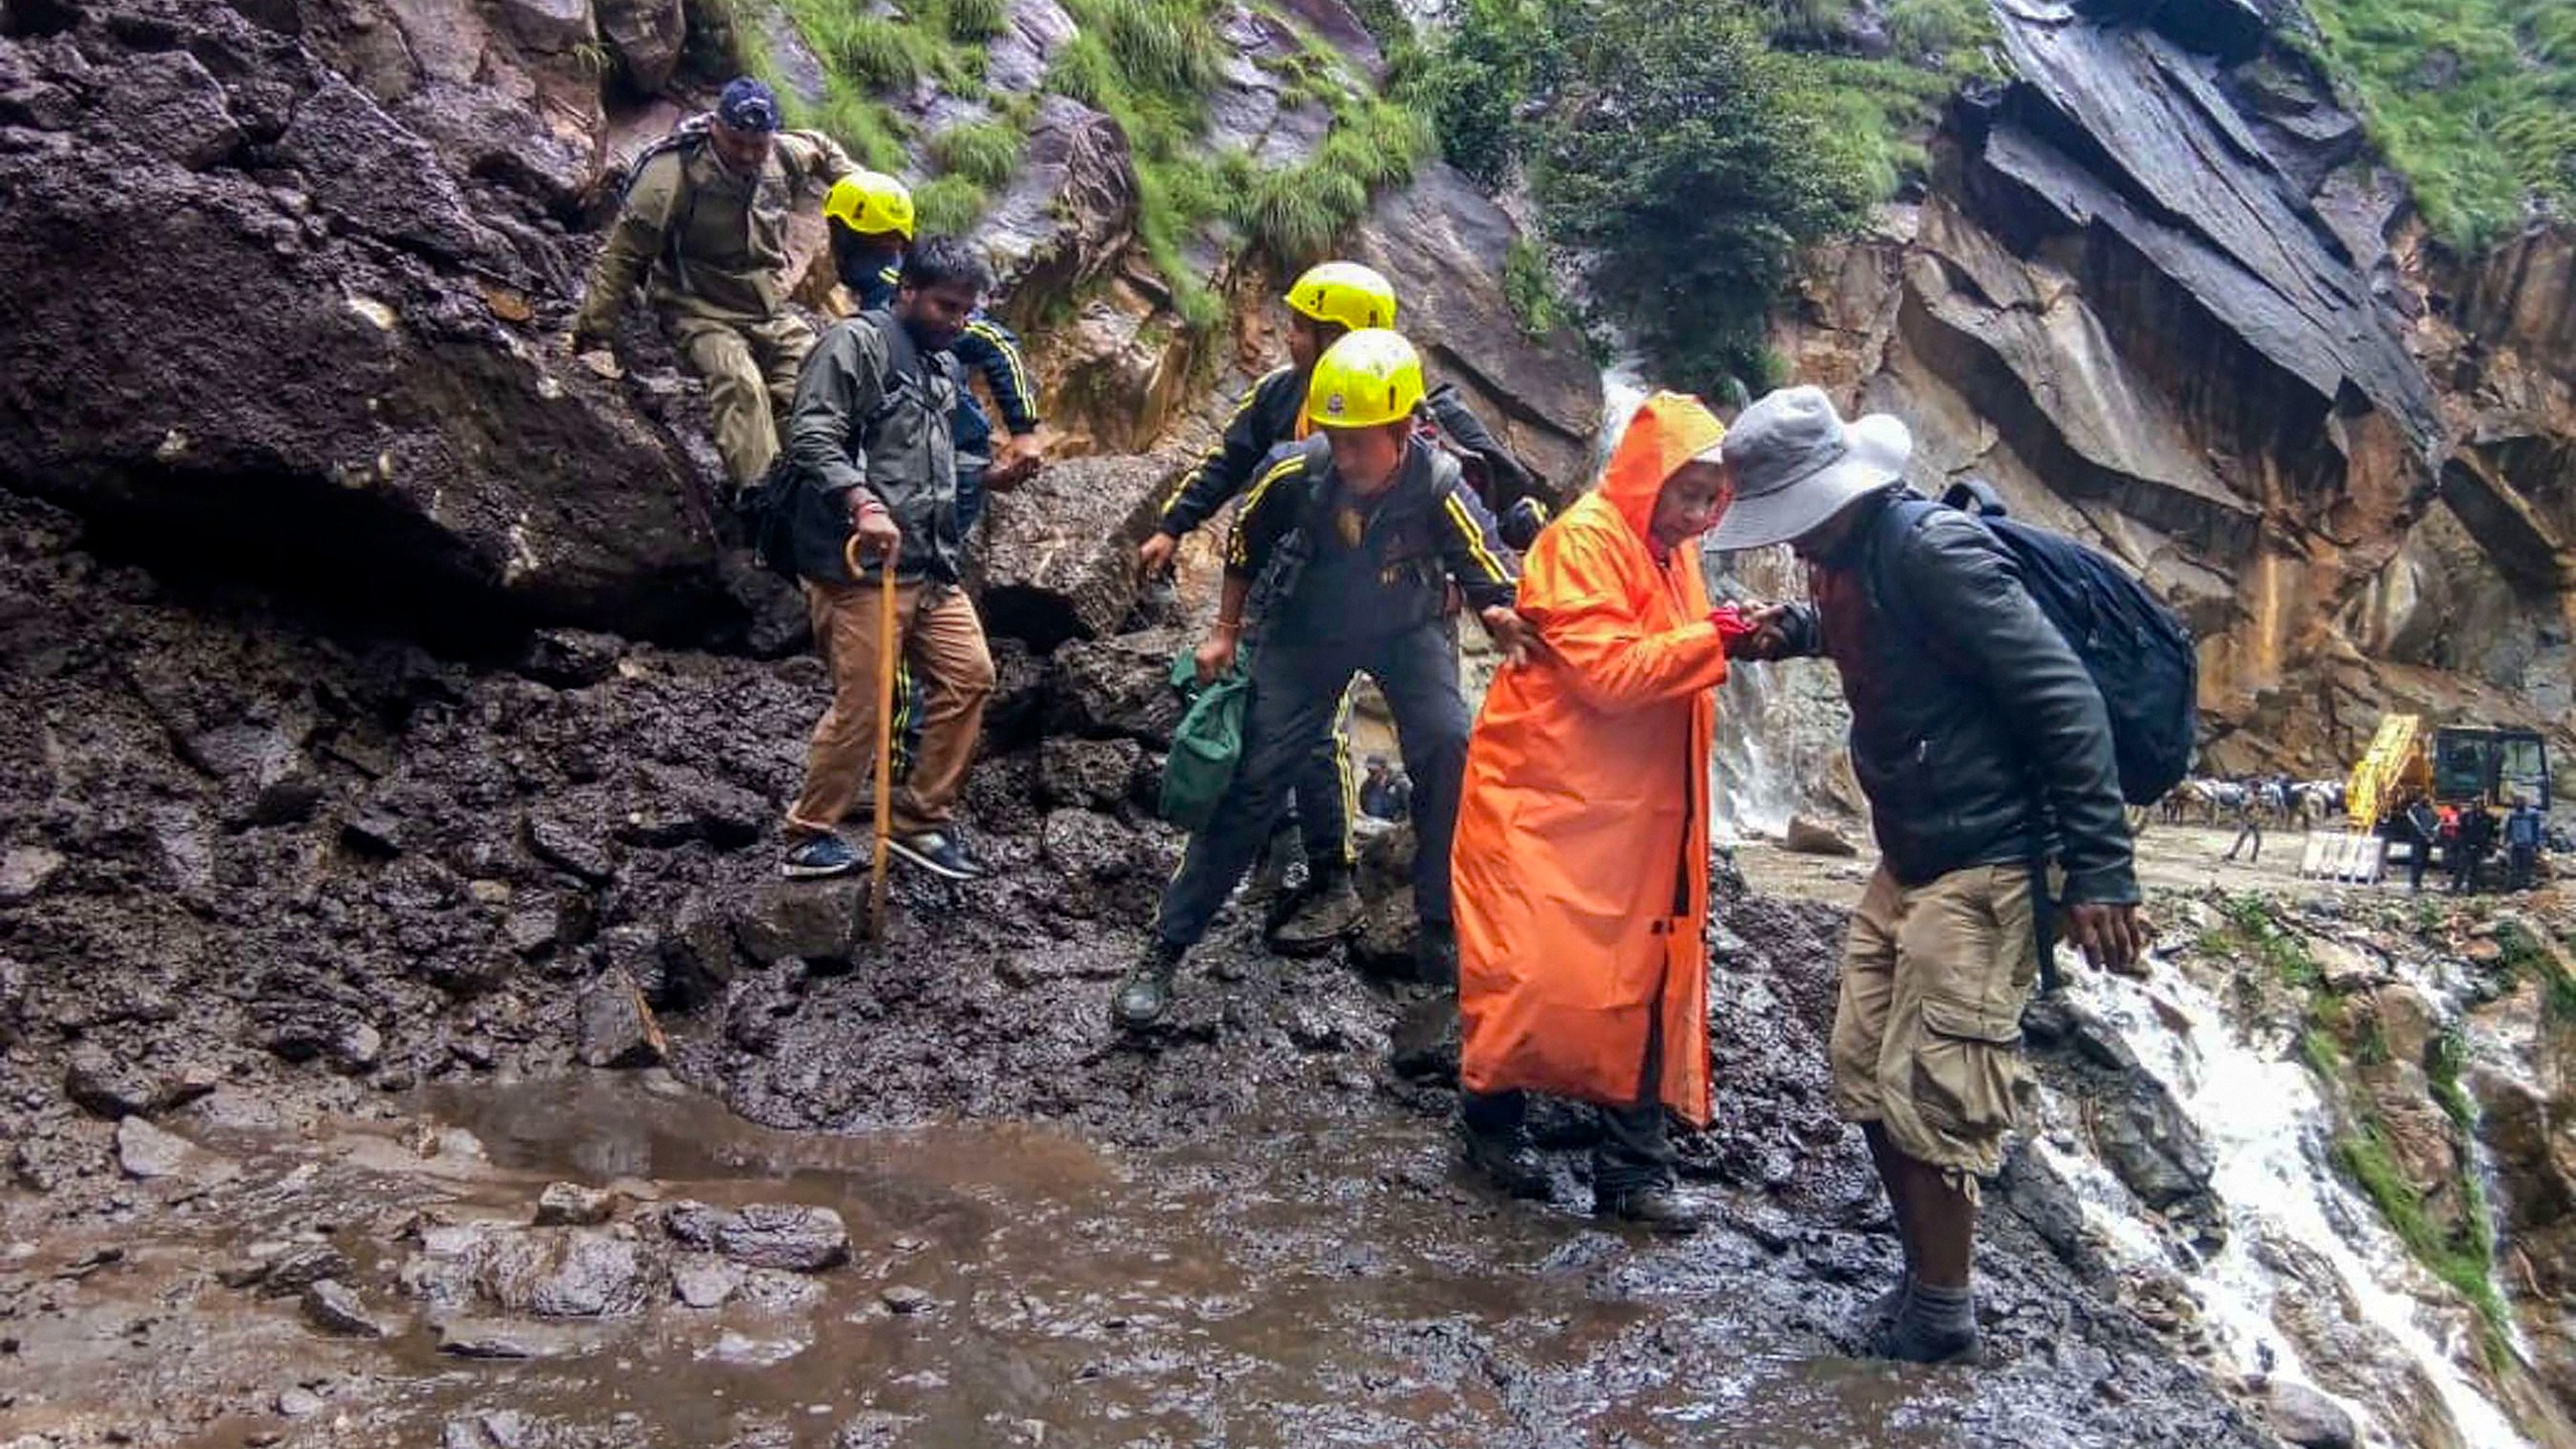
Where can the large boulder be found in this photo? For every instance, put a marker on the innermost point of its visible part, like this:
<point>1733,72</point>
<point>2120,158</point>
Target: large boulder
<point>1058,560</point>
<point>1070,210</point>
<point>355,385</point>
<point>647,36</point>
<point>1116,688</point>
<point>1443,243</point>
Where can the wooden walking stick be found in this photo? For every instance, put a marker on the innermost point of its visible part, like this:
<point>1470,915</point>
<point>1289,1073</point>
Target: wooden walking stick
<point>887,647</point>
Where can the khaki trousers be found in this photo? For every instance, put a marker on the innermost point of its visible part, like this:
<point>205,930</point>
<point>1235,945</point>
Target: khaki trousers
<point>1927,1034</point>
<point>750,369</point>
<point>939,635</point>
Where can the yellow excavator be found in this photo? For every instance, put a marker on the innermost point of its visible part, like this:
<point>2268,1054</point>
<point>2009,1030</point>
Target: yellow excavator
<point>2466,766</point>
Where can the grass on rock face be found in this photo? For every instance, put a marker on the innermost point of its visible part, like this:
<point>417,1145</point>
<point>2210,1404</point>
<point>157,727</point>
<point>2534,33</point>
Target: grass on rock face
<point>2474,100</point>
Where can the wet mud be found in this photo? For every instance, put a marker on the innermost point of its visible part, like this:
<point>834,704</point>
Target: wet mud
<point>305,941</point>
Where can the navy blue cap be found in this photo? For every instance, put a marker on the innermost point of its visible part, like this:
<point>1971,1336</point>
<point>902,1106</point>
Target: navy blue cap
<point>748,105</point>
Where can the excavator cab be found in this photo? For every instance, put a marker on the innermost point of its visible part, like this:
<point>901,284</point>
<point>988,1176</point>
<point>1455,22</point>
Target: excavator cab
<point>2492,768</point>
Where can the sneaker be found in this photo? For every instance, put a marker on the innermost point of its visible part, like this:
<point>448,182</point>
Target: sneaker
<point>1327,910</point>
<point>1658,1209</point>
<point>819,856</point>
<point>1145,992</point>
<point>1509,1163</point>
<point>938,854</point>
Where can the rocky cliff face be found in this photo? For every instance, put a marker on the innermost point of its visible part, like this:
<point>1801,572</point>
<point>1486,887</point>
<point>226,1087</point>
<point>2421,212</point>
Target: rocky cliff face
<point>2157,293</point>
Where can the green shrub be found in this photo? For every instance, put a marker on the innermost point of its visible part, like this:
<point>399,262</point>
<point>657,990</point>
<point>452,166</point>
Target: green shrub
<point>984,152</point>
<point>947,205</point>
<point>1157,44</point>
<point>1295,213</point>
<point>1530,288</point>
<point>975,20</point>
<point>865,128</point>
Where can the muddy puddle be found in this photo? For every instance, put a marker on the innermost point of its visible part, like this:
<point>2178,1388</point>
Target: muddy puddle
<point>1005,1285</point>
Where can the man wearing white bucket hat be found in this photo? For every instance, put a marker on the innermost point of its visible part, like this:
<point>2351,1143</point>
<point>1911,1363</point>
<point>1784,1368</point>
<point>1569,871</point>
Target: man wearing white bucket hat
<point>1986,753</point>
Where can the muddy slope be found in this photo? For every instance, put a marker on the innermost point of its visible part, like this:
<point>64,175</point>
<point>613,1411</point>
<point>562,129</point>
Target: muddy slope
<point>326,875</point>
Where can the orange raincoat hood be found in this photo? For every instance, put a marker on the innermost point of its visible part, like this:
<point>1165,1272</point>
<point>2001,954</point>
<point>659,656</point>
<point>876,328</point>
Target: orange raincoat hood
<point>1581,863</point>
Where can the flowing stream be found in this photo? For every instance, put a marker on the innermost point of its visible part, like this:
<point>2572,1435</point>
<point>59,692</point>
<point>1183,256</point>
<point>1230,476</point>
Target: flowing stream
<point>2260,1113</point>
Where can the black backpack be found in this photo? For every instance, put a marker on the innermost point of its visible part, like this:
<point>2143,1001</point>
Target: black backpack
<point>2139,654</point>
<point>688,135</point>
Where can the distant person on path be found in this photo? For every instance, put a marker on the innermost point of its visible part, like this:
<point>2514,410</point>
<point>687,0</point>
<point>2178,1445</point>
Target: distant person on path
<point>704,226</point>
<point>2426,826</point>
<point>1581,868</point>
<point>1978,737</point>
<point>1354,540</point>
<point>1385,794</point>
<point>874,448</point>
<point>2477,837</point>
<point>2249,824</point>
<point>2524,830</point>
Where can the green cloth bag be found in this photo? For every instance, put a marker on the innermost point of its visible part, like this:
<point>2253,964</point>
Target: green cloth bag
<point>1207,746</point>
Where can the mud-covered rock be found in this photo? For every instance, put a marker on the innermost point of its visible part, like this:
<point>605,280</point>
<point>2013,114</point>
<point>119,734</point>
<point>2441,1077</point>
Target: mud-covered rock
<point>647,36</point>
<point>334,1307</point>
<point>1094,774</point>
<point>705,1282</point>
<point>1116,688</point>
<point>566,1272</point>
<point>293,1271</point>
<point>781,1236</point>
<point>108,1085</point>
<point>1058,560</point>
<point>816,920</point>
<point>506,1339</point>
<point>1809,836</point>
<point>569,1204</point>
<point>616,1028</point>
<point>570,658</point>
<point>145,1153</point>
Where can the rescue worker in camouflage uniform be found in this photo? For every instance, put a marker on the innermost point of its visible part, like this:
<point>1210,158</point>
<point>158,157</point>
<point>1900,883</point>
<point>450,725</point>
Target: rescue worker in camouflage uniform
<point>703,228</point>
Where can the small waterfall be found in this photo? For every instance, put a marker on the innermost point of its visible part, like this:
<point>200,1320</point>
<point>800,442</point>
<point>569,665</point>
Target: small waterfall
<point>1771,735</point>
<point>2266,1127</point>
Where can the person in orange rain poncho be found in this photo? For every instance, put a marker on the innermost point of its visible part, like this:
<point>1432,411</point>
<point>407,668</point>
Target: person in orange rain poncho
<point>1581,862</point>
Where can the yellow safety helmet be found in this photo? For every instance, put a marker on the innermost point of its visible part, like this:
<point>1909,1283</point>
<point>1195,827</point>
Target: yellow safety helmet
<point>1345,292</point>
<point>1367,379</point>
<point>871,202</point>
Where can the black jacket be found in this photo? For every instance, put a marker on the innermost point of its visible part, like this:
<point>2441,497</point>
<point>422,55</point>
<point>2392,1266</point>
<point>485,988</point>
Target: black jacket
<point>1428,530</point>
<point>1974,725</point>
<point>872,411</point>
<point>1272,414</point>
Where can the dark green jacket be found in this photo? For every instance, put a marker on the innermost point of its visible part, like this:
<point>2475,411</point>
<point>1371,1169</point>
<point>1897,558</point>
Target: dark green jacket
<point>874,412</point>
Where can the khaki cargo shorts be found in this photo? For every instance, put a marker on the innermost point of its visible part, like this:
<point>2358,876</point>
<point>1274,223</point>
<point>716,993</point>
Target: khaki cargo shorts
<point>1927,1034</point>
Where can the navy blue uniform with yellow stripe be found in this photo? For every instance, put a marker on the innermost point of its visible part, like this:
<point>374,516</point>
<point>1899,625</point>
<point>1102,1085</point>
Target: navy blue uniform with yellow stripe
<point>1348,585</point>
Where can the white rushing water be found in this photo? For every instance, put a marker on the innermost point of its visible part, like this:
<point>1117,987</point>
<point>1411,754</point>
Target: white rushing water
<point>2266,1128</point>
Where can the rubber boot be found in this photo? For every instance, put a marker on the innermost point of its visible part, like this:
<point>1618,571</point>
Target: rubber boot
<point>1145,992</point>
<point>1508,1161</point>
<point>1328,910</point>
<point>1653,1206</point>
<point>1435,955</point>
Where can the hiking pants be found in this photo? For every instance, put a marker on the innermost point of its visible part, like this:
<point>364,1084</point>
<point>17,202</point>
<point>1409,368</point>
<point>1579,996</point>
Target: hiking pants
<point>1633,1151</point>
<point>1297,691</point>
<point>943,641</point>
<point>2525,860</point>
<point>2252,830</point>
<point>750,369</point>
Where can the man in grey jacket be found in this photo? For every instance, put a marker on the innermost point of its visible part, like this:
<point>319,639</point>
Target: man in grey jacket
<point>1986,754</point>
<point>871,438</point>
